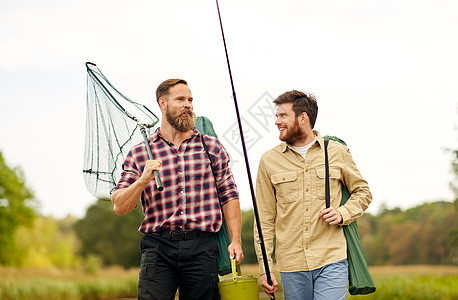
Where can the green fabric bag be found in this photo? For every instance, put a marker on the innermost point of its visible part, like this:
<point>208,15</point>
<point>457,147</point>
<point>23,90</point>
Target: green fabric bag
<point>222,237</point>
<point>360,280</point>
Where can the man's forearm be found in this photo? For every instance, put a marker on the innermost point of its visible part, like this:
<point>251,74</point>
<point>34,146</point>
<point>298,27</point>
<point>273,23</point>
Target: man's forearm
<point>126,199</point>
<point>233,218</point>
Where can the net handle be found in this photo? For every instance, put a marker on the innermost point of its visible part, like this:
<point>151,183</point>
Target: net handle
<point>159,185</point>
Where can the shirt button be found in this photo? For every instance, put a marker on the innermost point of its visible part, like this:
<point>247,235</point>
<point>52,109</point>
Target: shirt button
<point>306,190</point>
<point>181,191</point>
<point>306,170</point>
<point>306,248</point>
<point>307,209</point>
<point>306,229</point>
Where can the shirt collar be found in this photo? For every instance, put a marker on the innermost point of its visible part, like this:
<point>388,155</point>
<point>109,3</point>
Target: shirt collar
<point>319,139</point>
<point>157,134</point>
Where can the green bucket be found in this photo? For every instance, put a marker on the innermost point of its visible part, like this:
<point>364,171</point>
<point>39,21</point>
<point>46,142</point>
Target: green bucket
<point>239,287</point>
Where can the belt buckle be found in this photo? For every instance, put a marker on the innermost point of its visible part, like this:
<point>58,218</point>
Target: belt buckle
<point>176,235</point>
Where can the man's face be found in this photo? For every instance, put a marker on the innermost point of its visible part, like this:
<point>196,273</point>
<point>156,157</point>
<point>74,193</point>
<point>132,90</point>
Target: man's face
<point>179,109</point>
<point>288,124</point>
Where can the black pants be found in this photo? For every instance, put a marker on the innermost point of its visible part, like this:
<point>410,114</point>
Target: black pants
<point>189,265</point>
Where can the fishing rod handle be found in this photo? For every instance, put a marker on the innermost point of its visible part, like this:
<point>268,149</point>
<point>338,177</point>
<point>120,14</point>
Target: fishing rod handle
<point>267,269</point>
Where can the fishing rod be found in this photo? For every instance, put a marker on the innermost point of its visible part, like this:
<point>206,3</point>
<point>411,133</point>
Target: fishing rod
<point>255,207</point>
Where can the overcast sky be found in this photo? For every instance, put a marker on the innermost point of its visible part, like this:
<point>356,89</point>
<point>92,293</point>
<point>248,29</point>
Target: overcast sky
<point>384,74</point>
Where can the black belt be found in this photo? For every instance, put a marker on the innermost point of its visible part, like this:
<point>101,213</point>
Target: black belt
<point>182,235</point>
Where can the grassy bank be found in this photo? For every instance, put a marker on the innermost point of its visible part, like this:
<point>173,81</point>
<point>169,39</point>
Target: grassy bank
<point>414,282</point>
<point>393,282</point>
<point>28,283</point>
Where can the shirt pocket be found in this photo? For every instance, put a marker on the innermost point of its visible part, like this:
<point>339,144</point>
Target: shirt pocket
<point>334,182</point>
<point>286,187</point>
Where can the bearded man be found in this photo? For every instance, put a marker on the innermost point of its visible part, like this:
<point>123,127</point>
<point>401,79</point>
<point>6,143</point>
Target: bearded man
<point>311,249</point>
<point>178,246</point>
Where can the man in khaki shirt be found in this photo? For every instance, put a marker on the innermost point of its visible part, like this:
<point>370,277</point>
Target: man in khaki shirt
<point>311,250</point>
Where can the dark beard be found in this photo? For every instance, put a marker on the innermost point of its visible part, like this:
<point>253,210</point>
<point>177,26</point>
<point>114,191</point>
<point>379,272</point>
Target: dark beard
<point>180,122</point>
<point>295,134</point>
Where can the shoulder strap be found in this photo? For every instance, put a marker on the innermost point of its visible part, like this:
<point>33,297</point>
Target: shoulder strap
<point>205,145</point>
<point>326,184</point>
<point>208,154</point>
<point>211,164</point>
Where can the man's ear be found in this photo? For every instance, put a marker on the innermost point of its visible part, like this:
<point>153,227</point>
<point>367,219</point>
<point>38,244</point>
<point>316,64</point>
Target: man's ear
<point>162,103</point>
<point>304,118</point>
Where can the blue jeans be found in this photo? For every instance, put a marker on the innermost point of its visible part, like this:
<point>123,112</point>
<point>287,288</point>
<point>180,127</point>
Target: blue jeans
<point>327,283</point>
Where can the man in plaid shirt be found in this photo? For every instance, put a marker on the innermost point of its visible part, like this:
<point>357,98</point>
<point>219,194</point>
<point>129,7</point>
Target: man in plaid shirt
<point>178,245</point>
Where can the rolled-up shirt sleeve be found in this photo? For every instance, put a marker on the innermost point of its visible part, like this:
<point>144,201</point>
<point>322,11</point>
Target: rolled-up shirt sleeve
<point>130,172</point>
<point>225,182</point>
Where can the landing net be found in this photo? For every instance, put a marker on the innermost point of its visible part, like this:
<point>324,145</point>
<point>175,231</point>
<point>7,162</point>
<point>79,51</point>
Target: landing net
<point>112,128</point>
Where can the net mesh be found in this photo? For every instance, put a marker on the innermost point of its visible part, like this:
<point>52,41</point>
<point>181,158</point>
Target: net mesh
<point>112,128</point>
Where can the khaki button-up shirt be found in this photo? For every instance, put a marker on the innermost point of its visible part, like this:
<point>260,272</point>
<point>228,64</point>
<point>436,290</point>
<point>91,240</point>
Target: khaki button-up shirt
<point>290,191</point>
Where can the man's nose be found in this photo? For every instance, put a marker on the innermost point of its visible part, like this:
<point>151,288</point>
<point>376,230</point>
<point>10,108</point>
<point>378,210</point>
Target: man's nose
<point>187,104</point>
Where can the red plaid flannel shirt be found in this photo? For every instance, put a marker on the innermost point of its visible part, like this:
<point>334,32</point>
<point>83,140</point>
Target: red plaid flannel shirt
<point>189,200</point>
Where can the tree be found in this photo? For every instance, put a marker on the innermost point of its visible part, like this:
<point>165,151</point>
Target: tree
<point>112,238</point>
<point>48,242</point>
<point>16,202</point>
<point>420,235</point>
<point>454,228</point>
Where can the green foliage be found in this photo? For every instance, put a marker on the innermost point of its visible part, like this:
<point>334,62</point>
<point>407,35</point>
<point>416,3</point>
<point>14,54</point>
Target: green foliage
<point>454,227</point>
<point>454,238</point>
<point>112,238</point>
<point>92,264</point>
<point>420,235</point>
<point>48,242</point>
<point>248,238</point>
<point>15,209</point>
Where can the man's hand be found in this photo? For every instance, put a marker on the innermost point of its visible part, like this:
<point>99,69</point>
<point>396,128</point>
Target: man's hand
<point>269,289</point>
<point>330,215</point>
<point>148,171</point>
<point>235,251</point>
<point>126,199</point>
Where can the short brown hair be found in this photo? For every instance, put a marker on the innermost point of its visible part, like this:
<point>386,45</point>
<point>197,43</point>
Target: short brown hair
<point>302,102</point>
<point>163,88</point>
